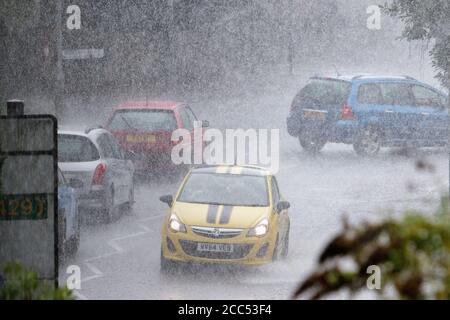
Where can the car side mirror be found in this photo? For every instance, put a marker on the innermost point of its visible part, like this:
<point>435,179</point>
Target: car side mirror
<point>75,183</point>
<point>283,205</point>
<point>168,199</point>
<point>205,123</point>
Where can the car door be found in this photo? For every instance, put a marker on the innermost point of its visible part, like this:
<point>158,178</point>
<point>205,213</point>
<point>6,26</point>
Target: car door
<point>433,126</point>
<point>112,167</point>
<point>188,124</point>
<point>401,114</point>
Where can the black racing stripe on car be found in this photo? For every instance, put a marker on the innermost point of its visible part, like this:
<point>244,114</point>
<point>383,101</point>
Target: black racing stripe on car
<point>226,214</point>
<point>212,213</point>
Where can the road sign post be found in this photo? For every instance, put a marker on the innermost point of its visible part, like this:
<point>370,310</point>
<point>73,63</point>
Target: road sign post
<point>28,192</point>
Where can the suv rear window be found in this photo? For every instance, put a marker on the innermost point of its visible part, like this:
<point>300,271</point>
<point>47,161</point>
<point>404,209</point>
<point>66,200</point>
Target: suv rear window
<point>72,148</point>
<point>323,92</point>
<point>143,120</point>
<point>397,94</point>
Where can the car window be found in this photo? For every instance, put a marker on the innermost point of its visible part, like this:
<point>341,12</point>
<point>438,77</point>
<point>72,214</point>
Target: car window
<point>143,120</point>
<point>73,148</point>
<point>370,93</point>
<point>275,191</point>
<point>226,189</point>
<point>426,97</point>
<point>323,92</point>
<point>187,121</point>
<point>397,94</point>
<point>105,146</point>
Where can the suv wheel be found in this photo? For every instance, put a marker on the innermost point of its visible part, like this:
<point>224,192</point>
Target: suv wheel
<point>312,145</point>
<point>369,142</point>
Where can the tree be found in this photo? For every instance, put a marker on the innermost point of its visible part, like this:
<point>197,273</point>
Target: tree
<point>427,20</point>
<point>23,284</point>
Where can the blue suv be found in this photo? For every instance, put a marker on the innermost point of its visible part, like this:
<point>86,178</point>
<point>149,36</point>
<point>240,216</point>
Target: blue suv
<point>369,112</point>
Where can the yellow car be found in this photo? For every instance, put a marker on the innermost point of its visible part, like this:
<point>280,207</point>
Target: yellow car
<point>225,214</point>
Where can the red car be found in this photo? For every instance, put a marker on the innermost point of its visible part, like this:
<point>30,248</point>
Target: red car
<point>145,128</point>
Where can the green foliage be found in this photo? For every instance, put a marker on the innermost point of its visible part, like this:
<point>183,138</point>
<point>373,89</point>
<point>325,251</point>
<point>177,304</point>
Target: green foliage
<point>23,284</point>
<point>413,254</point>
<point>426,20</point>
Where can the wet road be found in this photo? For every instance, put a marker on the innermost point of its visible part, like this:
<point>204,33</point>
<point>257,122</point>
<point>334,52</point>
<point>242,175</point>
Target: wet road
<point>121,260</point>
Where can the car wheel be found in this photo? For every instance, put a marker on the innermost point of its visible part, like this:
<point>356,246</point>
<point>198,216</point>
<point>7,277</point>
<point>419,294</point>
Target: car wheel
<point>62,242</point>
<point>168,267</point>
<point>369,142</point>
<point>312,145</point>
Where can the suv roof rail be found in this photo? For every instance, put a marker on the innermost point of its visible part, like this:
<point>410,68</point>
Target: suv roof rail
<point>89,129</point>
<point>362,75</point>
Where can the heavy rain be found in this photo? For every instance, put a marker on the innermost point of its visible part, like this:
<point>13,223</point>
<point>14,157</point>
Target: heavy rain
<point>344,102</point>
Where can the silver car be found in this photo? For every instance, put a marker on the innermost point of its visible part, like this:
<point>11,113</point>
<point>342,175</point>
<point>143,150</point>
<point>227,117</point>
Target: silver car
<point>102,168</point>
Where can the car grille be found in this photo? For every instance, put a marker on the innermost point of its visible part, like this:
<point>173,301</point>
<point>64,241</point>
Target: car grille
<point>152,156</point>
<point>239,251</point>
<point>216,233</point>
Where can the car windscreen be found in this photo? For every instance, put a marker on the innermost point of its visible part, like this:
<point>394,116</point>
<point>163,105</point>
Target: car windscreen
<point>72,148</point>
<point>323,92</point>
<point>225,189</point>
<point>143,120</point>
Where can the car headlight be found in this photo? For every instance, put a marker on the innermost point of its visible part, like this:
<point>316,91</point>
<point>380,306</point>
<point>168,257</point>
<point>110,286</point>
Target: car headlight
<point>175,224</point>
<point>260,230</point>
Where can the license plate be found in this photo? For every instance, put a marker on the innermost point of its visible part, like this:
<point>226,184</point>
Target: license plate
<point>141,138</point>
<point>314,114</point>
<point>214,247</point>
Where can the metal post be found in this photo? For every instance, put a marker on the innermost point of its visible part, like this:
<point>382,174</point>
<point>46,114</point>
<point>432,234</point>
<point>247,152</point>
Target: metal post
<point>291,49</point>
<point>59,94</point>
